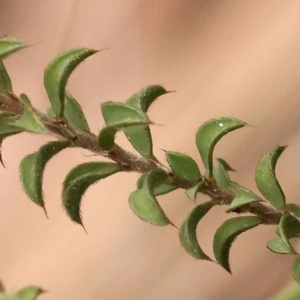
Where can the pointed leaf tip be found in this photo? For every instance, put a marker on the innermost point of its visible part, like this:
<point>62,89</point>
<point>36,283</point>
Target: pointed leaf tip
<point>209,134</point>
<point>296,270</point>
<point>183,166</point>
<point>77,182</point>
<point>9,45</point>
<point>57,74</point>
<point>266,180</point>
<point>188,235</point>
<point>143,202</point>
<point>32,169</point>
<point>226,235</point>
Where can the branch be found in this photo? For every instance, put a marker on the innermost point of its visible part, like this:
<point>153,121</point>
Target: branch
<point>132,163</point>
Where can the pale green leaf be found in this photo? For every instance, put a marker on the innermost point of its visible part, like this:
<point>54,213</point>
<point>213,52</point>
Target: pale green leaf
<point>57,74</point>
<point>5,83</point>
<point>209,134</point>
<point>289,227</point>
<point>30,121</point>
<point>29,293</point>
<point>227,233</point>
<point>240,203</point>
<point>188,234</point>
<point>9,45</point>
<point>192,192</point>
<point>183,166</point>
<point>277,245</point>
<point>143,202</point>
<point>296,270</point>
<point>266,180</point>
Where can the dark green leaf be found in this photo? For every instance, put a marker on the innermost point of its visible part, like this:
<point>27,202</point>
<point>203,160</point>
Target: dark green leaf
<point>289,227</point>
<point>144,98</point>
<point>183,166</point>
<point>239,203</point>
<point>32,169</point>
<point>188,234</point>
<point>2,288</point>
<point>74,114</point>
<point>277,245</point>
<point>226,235</point>
<point>294,209</point>
<point>57,74</point>
<point>225,164</point>
<point>209,134</point>
<point>29,293</point>
<point>158,190</point>
<point>192,192</point>
<point>296,269</point>
<point>77,182</point>
<point>5,83</point>
<point>9,46</point>
<point>30,121</point>
<point>143,201</point>
<point>266,180</point>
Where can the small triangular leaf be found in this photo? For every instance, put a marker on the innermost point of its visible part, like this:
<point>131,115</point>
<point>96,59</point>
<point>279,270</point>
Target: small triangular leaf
<point>5,83</point>
<point>221,177</point>
<point>57,74</point>
<point>32,169</point>
<point>209,134</point>
<point>30,121</point>
<point>277,245</point>
<point>9,46</point>
<point>227,233</point>
<point>188,234</point>
<point>289,227</point>
<point>29,293</point>
<point>143,202</point>
<point>74,114</point>
<point>183,166</point>
<point>192,192</point>
<point>266,180</point>
<point>77,182</point>
<point>225,164</point>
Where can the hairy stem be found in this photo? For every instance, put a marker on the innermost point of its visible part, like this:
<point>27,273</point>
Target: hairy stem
<point>131,162</point>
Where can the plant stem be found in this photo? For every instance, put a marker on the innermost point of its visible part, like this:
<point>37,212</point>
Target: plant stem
<point>132,163</point>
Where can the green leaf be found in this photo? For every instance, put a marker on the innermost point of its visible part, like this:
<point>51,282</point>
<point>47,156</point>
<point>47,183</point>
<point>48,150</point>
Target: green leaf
<point>74,114</point>
<point>242,192</point>
<point>294,209</point>
<point>161,189</point>
<point>227,233</point>
<point>140,136</point>
<point>145,97</point>
<point>143,202</point>
<point>221,177</point>
<point>57,74</point>
<point>266,180</point>
<point>209,134</point>
<point>5,83</point>
<point>9,46</point>
<point>29,293</point>
<point>183,166</point>
<point>32,169</point>
<point>289,227</point>
<point>225,164</point>
<point>240,203</point>
<point>277,245</point>
<point>30,121</point>
<point>118,116</point>
<point>192,192</point>
<point>296,269</point>
<point>188,234</point>
<point>77,182</point>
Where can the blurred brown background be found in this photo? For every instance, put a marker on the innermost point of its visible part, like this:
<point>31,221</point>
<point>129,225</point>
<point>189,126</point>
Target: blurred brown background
<point>224,58</point>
